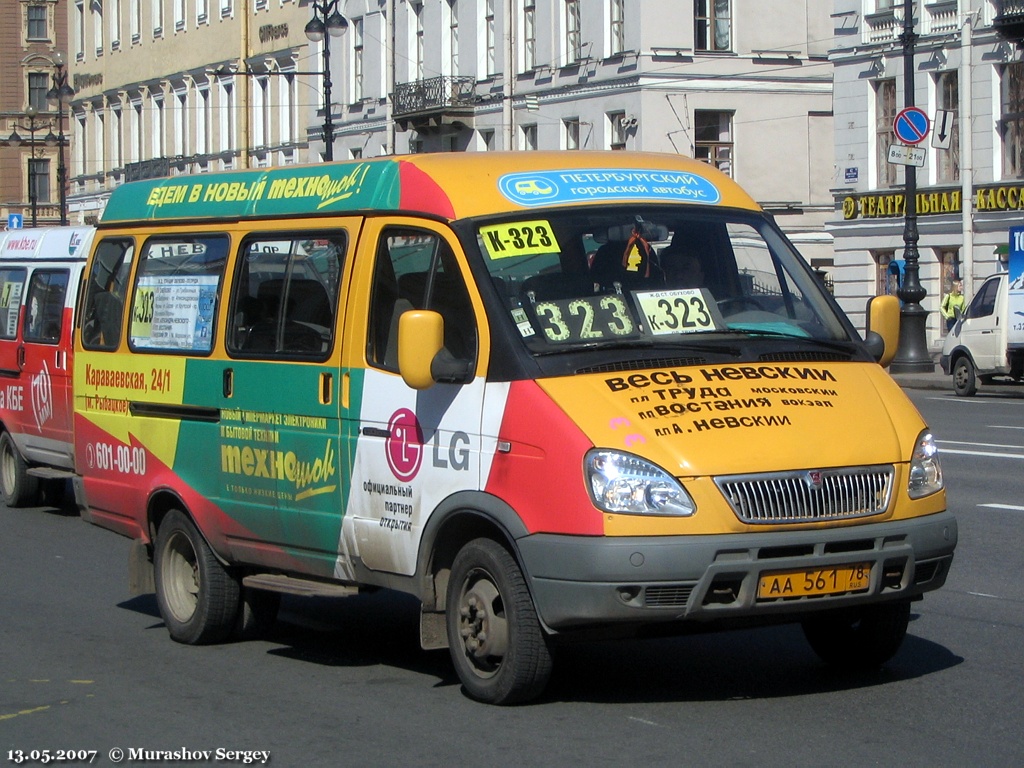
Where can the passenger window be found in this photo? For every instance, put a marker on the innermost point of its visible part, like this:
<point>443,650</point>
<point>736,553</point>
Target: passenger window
<point>984,303</point>
<point>285,296</point>
<point>416,269</point>
<point>12,283</point>
<point>175,293</point>
<point>44,305</point>
<point>103,307</point>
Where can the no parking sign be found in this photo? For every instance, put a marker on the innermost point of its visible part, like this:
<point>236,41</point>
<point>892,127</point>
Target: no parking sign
<point>911,125</point>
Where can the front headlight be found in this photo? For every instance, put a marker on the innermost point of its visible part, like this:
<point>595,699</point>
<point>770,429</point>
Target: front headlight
<point>925,472</point>
<point>623,483</point>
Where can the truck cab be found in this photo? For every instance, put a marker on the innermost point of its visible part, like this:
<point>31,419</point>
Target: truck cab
<point>981,346</point>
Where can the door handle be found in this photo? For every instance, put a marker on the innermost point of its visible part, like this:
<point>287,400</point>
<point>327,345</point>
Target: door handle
<point>228,382</point>
<point>21,356</point>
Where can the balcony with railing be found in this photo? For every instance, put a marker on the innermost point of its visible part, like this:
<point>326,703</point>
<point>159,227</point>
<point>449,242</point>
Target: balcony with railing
<point>434,103</point>
<point>1009,19</point>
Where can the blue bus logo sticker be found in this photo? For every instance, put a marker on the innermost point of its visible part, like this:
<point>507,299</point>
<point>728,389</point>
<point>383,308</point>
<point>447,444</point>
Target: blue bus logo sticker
<point>596,185</point>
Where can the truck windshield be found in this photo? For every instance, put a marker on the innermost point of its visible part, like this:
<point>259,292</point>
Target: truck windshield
<point>642,276</point>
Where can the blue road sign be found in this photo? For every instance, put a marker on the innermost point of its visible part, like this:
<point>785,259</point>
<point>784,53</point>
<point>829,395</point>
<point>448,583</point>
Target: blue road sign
<point>911,125</point>
<point>15,221</point>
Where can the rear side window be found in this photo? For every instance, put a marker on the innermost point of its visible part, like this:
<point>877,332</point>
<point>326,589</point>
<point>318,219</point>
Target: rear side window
<point>285,297</point>
<point>44,305</point>
<point>175,297</point>
<point>103,307</point>
<point>12,283</point>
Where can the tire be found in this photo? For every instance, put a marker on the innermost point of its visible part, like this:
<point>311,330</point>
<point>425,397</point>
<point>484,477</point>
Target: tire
<point>496,642</point>
<point>859,639</point>
<point>965,380</point>
<point>198,598</point>
<point>20,489</point>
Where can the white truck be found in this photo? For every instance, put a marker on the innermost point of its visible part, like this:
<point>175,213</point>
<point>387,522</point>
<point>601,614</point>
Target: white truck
<point>987,342</point>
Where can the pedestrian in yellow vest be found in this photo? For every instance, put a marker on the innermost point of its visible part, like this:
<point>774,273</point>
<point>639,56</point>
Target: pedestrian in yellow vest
<point>953,301</point>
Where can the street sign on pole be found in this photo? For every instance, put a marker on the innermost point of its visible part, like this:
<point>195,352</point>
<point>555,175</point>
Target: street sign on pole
<point>942,129</point>
<point>900,154</point>
<point>911,125</point>
<point>15,221</point>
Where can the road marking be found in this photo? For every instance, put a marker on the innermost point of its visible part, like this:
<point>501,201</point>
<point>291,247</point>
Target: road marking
<point>1013,507</point>
<point>985,453</point>
<point>983,594</point>
<point>1002,426</point>
<point>977,445</point>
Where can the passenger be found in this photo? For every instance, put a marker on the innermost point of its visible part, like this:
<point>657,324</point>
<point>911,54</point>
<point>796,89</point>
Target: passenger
<point>682,270</point>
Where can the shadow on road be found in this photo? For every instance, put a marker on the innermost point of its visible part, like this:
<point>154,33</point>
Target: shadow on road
<point>382,628</point>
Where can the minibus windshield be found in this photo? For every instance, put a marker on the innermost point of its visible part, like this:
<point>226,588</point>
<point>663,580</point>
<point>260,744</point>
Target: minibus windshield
<point>652,275</point>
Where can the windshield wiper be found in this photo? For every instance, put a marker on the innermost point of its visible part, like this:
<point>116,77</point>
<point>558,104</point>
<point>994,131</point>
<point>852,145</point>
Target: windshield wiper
<point>849,347</point>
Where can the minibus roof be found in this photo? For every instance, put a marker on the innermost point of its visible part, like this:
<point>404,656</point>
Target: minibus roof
<point>446,185</point>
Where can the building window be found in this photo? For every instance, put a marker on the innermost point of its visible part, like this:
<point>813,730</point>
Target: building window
<point>1011,122</point>
<point>38,85</point>
<point>202,12</point>
<point>571,133</point>
<point>417,10</point>
<point>97,25</point>
<point>37,23</point>
<point>490,44</point>
<point>712,25</point>
<point>158,18</point>
<point>179,15</point>
<point>288,111</point>
<point>616,26</point>
<point>948,95</point>
<point>453,37</point>
<point>713,139</point>
<point>616,124</point>
<point>227,116</point>
<point>358,47</point>
<point>573,31</point>
<point>887,273</point>
<point>115,24</point>
<point>529,35</point>
<point>529,133</point>
<point>39,180</point>
<point>885,113</point>
<point>225,8</point>
<point>135,20</point>
<point>79,40</point>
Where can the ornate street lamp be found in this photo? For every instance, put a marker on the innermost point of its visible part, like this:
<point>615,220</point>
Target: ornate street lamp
<point>912,351</point>
<point>60,93</point>
<point>15,140</point>
<point>326,23</point>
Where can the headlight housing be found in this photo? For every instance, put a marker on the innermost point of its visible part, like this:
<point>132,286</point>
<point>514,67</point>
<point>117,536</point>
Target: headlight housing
<point>626,484</point>
<point>925,472</point>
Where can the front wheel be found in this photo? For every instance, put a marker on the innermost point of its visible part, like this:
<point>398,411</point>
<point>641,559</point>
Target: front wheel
<point>20,489</point>
<point>965,380</point>
<point>497,645</point>
<point>198,598</point>
<point>858,638</point>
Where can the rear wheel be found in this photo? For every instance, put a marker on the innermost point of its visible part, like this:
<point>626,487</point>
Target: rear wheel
<point>965,380</point>
<point>20,489</point>
<point>198,598</point>
<point>496,641</point>
<point>859,638</point>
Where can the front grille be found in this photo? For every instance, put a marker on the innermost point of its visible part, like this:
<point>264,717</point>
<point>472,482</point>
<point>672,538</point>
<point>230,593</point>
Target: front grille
<point>667,596</point>
<point>808,496</point>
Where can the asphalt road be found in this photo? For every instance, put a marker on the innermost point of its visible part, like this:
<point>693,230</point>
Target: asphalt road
<point>85,667</point>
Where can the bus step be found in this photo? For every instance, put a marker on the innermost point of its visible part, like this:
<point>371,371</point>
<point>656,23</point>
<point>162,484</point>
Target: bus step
<point>289,585</point>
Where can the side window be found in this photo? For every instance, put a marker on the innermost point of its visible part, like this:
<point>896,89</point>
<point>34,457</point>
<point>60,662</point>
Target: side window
<point>103,307</point>
<point>44,305</point>
<point>285,296</point>
<point>12,283</point>
<point>175,293</point>
<point>416,269</point>
<point>984,303</point>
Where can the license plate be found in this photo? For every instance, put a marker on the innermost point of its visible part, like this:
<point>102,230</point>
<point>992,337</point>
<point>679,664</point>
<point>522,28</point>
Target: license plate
<point>808,582</point>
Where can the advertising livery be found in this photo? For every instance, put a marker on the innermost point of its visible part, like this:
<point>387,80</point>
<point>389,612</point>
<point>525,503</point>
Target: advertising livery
<point>545,393</point>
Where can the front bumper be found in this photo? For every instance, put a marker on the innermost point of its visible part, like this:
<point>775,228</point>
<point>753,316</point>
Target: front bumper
<point>580,582</point>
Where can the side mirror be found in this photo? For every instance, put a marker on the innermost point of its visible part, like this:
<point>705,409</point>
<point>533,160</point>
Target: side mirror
<point>420,338</point>
<point>883,331</point>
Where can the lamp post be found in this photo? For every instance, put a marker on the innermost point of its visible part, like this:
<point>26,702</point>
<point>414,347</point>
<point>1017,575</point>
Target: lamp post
<point>15,141</point>
<point>59,93</point>
<point>912,353</point>
<point>327,22</point>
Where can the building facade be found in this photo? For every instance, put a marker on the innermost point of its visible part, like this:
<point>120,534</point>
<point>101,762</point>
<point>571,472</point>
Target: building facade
<point>186,86</point>
<point>32,34</point>
<point>969,79</point>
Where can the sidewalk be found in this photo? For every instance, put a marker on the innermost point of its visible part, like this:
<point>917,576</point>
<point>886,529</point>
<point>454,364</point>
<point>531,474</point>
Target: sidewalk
<point>934,380</point>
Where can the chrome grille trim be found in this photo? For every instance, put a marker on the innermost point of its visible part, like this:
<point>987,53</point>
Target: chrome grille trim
<point>783,498</point>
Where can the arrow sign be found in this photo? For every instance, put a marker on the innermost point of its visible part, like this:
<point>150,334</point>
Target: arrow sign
<point>911,125</point>
<point>942,133</point>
